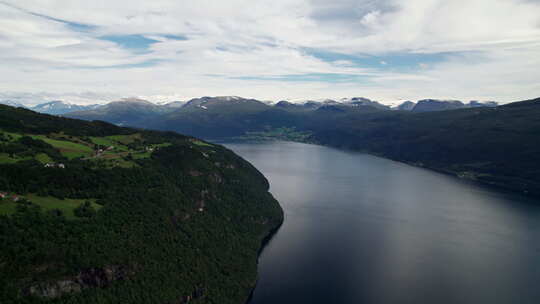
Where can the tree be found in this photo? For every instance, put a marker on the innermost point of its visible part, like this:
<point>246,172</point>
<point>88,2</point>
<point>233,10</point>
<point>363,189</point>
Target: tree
<point>85,210</point>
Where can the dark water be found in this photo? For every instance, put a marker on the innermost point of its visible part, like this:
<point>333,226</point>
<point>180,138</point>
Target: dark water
<point>361,229</point>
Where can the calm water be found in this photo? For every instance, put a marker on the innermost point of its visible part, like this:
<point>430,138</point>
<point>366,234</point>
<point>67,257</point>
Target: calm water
<point>361,229</point>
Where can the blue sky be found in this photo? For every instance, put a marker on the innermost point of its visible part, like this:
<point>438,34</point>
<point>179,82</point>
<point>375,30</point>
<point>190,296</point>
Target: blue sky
<point>394,61</point>
<point>134,43</point>
<point>386,50</point>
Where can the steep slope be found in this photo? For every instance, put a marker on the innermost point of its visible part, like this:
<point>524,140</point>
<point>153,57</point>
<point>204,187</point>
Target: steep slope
<point>95,213</point>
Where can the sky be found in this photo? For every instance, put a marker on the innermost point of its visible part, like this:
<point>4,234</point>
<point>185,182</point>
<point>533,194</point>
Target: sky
<point>97,51</point>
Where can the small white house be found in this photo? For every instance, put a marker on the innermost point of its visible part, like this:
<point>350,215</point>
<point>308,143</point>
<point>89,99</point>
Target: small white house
<point>53,165</point>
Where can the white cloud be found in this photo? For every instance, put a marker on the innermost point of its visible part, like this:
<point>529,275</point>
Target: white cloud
<point>498,42</point>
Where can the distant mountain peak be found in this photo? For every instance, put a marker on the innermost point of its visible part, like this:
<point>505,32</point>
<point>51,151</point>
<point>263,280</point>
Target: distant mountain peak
<point>287,105</point>
<point>208,101</point>
<point>134,100</point>
<point>229,98</point>
<point>59,107</point>
<point>12,103</point>
<point>428,105</point>
<point>283,103</point>
<point>355,99</point>
<point>405,106</point>
<point>477,104</point>
<point>362,101</point>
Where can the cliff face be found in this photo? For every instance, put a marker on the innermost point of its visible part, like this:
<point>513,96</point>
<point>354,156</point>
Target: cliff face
<point>88,278</point>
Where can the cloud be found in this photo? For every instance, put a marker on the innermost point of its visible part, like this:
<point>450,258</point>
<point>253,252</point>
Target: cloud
<point>161,49</point>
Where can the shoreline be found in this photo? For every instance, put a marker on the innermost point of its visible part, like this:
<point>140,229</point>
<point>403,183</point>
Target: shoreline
<point>499,186</point>
<point>264,242</point>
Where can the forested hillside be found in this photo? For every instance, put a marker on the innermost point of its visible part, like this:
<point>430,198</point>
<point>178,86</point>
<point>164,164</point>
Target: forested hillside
<point>498,146</point>
<point>94,213</point>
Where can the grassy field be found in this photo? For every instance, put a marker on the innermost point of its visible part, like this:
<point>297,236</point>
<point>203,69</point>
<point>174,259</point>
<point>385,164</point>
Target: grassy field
<point>43,158</point>
<point>5,159</point>
<point>14,136</point>
<point>103,141</point>
<point>7,207</point>
<point>67,148</point>
<point>116,154</point>
<point>67,205</point>
<point>118,142</point>
<point>201,143</point>
<point>125,139</point>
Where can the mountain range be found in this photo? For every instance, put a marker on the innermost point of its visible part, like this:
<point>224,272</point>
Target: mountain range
<point>113,110</point>
<point>55,107</point>
<point>226,116</point>
<point>58,107</point>
<point>123,112</point>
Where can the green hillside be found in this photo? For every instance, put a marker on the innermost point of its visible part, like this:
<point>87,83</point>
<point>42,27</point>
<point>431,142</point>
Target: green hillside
<point>95,213</point>
<point>497,146</point>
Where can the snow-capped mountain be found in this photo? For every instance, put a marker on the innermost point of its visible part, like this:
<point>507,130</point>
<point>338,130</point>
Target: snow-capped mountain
<point>314,104</point>
<point>174,104</point>
<point>126,112</point>
<point>58,107</point>
<point>12,103</point>
<point>362,101</point>
<point>429,105</point>
<point>223,102</point>
<point>479,104</point>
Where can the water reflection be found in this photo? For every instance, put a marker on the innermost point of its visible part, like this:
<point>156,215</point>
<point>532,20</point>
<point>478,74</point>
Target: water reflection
<point>361,229</point>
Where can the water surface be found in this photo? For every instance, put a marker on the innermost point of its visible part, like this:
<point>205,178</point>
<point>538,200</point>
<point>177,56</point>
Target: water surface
<point>362,229</point>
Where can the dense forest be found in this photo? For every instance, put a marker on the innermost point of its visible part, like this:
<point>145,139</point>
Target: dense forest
<point>94,213</point>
